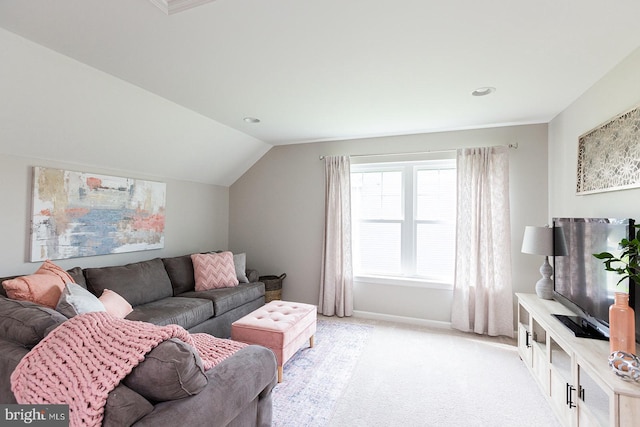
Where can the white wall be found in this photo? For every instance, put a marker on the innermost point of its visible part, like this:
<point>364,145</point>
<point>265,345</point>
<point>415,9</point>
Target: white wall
<point>277,213</point>
<point>196,218</point>
<point>56,108</point>
<point>110,127</point>
<point>614,94</point>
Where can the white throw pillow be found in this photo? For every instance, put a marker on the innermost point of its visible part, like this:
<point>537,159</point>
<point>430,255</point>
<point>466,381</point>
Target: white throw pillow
<point>77,300</point>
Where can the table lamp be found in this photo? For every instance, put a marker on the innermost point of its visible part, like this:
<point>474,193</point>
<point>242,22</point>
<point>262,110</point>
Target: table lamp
<point>540,241</point>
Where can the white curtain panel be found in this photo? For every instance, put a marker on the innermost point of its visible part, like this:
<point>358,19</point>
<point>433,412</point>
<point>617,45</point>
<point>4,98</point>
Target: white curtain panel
<point>482,291</point>
<point>336,280</point>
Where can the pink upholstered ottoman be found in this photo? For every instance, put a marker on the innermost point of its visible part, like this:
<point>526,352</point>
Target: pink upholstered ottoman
<point>281,326</point>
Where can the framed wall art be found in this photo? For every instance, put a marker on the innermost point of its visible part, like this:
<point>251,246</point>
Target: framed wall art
<point>609,155</point>
<point>78,214</point>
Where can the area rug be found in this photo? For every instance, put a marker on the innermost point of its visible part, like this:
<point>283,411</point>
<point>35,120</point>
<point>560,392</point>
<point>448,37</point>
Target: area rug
<point>314,378</point>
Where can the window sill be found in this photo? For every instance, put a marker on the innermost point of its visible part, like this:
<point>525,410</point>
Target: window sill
<point>403,281</point>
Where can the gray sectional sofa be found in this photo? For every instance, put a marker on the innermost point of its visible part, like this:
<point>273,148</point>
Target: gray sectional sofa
<point>161,291</point>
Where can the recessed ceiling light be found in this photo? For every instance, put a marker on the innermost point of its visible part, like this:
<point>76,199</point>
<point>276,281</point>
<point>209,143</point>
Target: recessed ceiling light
<point>483,91</point>
<point>251,120</point>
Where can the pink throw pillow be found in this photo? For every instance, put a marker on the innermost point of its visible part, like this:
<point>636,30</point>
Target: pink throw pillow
<point>213,271</point>
<point>44,287</point>
<point>115,304</point>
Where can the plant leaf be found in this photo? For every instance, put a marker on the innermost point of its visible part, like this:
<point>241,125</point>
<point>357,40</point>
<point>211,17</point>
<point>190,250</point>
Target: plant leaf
<point>603,255</point>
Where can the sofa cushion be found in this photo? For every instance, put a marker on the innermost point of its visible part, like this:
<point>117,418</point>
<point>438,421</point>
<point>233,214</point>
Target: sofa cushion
<point>252,275</point>
<point>114,304</point>
<point>180,271</point>
<point>138,283</point>
<point>226,299</point>
<point>240,263</point>
<point>170,371</point>
<point>77,275</point>
<point>185,312</point>
<point>214,270</point>
<point>124,407</point>
<point>25,322</point>
<point>43,287</point>
<point>77,300</point>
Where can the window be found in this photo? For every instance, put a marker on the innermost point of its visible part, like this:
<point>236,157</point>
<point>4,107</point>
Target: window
<point>404,220</point>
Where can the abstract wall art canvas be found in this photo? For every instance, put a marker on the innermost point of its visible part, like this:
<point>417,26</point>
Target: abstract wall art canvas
<point>78,214</point>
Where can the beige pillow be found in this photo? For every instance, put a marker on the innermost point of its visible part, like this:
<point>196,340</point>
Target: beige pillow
<point>115,304</point>
<point>44,287</point>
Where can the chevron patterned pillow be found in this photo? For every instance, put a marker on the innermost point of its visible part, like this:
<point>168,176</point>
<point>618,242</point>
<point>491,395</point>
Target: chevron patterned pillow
<point>213,271</point>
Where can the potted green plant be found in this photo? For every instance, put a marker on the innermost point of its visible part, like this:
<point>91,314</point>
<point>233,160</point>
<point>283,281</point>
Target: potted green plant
<point>626,264</point>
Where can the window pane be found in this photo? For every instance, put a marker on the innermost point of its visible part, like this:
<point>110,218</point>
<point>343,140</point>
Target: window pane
<point>376,248</point>
<point>436,194</point>
<point>377,195</point>
<point>435,246</point>
<point>404,219</point>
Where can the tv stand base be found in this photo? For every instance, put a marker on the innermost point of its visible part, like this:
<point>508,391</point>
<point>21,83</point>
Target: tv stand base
<point>573,373</point>
<point>580,327</point>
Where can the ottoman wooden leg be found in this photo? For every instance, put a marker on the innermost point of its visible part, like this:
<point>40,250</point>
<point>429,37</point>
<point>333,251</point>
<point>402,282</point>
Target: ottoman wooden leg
<point>311,341</point>
<point>279,374</point>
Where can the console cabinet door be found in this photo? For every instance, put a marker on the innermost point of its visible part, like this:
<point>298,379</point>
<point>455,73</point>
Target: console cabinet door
<point>562,387</point>
<point>539,355</point>
<point>524,344</point>
<point>594,401</point>
<point>629,410</point>
<point>524,335</point>
<point>540,367</point>
<point>561,393</point>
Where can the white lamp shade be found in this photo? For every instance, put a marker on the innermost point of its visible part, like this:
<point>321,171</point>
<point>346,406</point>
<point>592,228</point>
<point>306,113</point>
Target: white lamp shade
<point>537,240</point>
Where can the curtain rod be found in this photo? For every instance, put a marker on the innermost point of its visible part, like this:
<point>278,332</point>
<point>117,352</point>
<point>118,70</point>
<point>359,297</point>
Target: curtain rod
<point>513,145</point>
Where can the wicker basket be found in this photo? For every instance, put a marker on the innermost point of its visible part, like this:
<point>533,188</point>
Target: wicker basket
<point>273,287</point>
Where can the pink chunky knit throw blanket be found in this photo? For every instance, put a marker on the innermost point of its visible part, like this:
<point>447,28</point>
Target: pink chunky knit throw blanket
<point>86,357</point>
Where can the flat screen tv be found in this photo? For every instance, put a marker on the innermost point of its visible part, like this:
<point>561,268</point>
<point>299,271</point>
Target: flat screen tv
<point>580,281</point>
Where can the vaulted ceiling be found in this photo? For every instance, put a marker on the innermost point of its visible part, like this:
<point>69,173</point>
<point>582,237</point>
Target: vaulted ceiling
<point>314,70</point>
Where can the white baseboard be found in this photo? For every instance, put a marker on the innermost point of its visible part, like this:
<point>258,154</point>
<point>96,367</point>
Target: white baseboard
<point>402,319</point>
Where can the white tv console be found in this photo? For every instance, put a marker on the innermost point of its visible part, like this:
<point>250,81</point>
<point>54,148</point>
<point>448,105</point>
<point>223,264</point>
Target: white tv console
<point>573,373</point>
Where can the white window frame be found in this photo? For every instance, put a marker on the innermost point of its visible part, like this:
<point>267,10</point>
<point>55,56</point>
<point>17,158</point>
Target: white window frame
<point>408,223</point>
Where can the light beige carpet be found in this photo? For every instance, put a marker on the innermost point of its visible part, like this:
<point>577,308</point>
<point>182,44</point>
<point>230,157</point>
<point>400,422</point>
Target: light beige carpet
<point>414,376</point>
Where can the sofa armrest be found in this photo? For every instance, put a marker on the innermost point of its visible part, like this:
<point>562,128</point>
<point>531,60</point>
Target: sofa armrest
<point>243,382</point>
<point>124,407</point>
<point>252,275</point>
<point>10,355</point>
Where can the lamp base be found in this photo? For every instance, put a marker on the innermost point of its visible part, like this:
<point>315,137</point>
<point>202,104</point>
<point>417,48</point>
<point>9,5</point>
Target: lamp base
<point>544,286</point>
